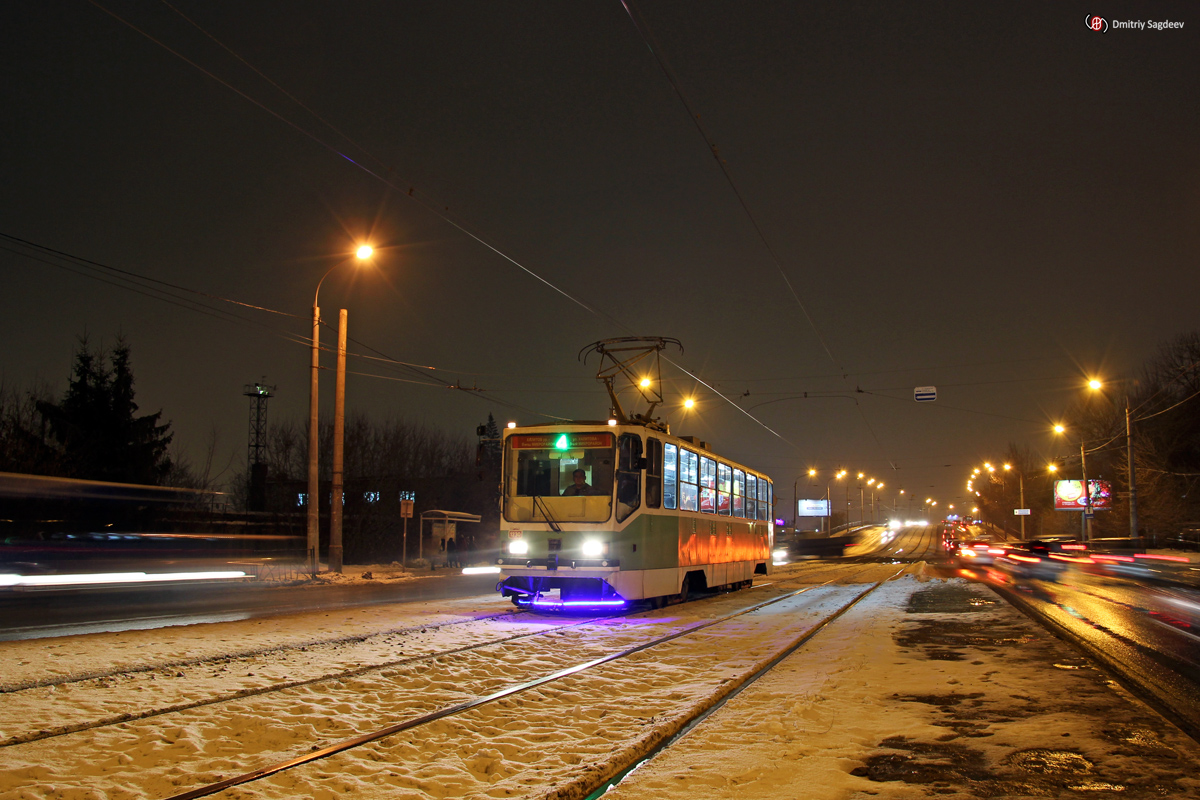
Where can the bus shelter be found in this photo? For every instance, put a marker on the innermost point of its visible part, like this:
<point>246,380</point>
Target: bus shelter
<point>443,524</point>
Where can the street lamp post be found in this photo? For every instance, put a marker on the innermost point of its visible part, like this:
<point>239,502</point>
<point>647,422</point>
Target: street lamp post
<point>1087,492</point>
<point>1085,527</point>
<point>1021,479</point>
<point>862,515</point>
<point>1096,385</point>
<point>313,543</point>
<point>847,505</point>
<point>313,510</point>
<point>829,501</point>
<point>339,429</point>
<point>796,501</point>
<point>1133,518</point>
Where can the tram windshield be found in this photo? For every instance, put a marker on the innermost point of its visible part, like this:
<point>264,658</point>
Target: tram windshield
<point>561,465</point>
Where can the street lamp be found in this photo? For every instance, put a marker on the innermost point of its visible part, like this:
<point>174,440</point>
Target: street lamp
<point>871,483</point>
<point>829,501</point>
<point>796,500</point>
<point>1021,478</point>
<point>1086,518</point>
<point>363,253</point>
<point>1096,385</point>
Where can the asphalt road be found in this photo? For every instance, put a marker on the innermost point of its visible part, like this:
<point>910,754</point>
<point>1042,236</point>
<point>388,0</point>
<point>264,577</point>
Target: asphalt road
<point>1145,631</point>
<point>46,613</point>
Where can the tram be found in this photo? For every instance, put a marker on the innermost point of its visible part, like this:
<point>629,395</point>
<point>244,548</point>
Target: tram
<point>602,514</point>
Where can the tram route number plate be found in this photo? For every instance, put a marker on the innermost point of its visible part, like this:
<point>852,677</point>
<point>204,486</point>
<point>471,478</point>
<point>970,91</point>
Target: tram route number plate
<point>514,533</point>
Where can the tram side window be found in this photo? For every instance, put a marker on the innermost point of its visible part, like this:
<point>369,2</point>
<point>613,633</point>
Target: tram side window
<point>751,489</point>
<point>739,493</point>
<point>670,475</point>
<point>689,480</point>
<point>708,485</point>
<point>724,486</point>
<point>629,475</point>
<point>763,489</point>
<point>653,473</point>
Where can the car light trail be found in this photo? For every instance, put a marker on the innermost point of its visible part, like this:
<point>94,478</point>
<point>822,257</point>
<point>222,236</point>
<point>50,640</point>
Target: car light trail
<point>106,578</point>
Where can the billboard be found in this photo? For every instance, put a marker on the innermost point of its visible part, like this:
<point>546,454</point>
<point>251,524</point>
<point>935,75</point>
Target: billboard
<point>1068,495</point>
<point>812,508</point>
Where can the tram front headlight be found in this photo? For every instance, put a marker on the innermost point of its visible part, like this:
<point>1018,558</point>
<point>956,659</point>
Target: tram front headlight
<point>593,548</point>
<point>518,547</point>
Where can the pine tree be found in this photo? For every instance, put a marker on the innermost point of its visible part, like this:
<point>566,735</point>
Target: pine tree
<point>95,428</point>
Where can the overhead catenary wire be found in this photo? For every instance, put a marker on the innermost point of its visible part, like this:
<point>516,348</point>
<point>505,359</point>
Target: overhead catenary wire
<point>440,212</point>
<point>659,56</point>
<point>150,287</point>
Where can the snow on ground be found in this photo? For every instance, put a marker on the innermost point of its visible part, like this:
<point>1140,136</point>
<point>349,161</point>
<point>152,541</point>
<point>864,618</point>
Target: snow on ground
<point>975,702</point>
<point>926,688</point>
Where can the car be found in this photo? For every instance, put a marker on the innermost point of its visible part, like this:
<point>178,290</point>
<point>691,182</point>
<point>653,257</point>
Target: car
<point>1040,559</point>
<point>977,553</point>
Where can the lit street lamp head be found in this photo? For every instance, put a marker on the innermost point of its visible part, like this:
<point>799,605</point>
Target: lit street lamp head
<point>364,252</point>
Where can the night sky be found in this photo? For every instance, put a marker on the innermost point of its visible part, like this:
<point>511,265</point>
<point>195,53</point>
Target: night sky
<point>987,198</point>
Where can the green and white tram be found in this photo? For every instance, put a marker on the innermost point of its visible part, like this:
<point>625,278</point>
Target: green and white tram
<point>599,514</point>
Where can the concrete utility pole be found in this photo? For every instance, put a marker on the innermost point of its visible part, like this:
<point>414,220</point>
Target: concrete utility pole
<point>339,429</point>
<point>1133,518</point>
<point>313,505</point>
<point>1085,521</point>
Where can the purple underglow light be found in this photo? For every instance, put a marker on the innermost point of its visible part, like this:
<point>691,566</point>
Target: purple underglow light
<point>538,602</point>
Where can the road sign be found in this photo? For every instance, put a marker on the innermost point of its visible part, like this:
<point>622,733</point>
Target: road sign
<point>1021,512</point>
<point>925,394</point>
<point>406,509</point>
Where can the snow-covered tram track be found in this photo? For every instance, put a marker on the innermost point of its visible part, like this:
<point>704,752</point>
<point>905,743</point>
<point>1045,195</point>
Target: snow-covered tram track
<point>704,714</point>
<point>638,751</point>
<point>277,686</point>
<point>70,721</point>
<point>275,650</point>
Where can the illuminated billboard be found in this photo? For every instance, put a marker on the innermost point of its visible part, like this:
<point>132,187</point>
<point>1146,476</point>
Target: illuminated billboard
<point>812,508</point>
<point>1068,495</point>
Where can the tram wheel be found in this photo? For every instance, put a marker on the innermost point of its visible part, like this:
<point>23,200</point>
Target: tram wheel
<point>684,589</point>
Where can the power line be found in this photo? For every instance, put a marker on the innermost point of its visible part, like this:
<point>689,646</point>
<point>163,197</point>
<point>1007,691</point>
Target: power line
<point>442,213</point>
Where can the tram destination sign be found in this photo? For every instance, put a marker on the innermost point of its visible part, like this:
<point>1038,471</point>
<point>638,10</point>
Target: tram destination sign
<point>554,441</point>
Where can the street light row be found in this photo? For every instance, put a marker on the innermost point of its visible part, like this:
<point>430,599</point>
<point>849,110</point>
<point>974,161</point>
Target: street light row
<point>1095,385</point>
<point>873,484</point>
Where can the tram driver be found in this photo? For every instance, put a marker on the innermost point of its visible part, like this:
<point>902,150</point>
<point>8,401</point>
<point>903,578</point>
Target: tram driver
<point>580,487</point>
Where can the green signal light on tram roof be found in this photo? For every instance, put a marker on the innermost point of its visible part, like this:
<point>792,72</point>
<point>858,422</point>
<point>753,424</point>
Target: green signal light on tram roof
<point>562,443</point>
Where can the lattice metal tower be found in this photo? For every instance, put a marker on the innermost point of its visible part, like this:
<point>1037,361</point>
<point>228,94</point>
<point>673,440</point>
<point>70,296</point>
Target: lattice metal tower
<point>259,394</point>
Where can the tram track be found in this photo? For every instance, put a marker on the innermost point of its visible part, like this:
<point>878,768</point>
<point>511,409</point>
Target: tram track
<point>328,677</point>
<point>434,700</point>
<point>223,661</point>
<point>730,689</point>
<point>734,692</point>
